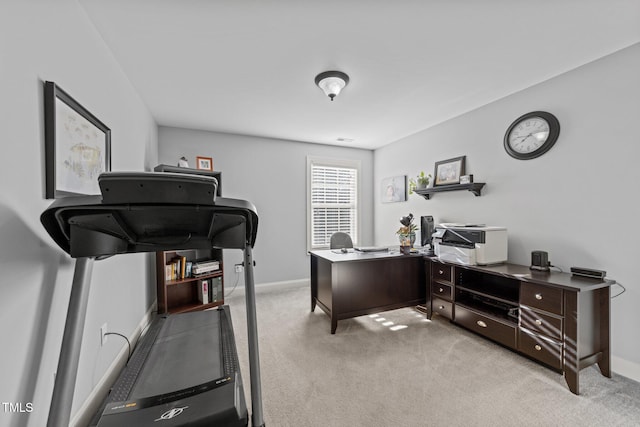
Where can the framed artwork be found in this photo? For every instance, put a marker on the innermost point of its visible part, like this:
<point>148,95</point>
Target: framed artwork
<point>77,146</point>
<point>394,189</point>
<point>448,171</point>
<point>205,163</point>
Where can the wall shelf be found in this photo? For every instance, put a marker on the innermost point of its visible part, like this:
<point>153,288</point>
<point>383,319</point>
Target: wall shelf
<point>474,187</point>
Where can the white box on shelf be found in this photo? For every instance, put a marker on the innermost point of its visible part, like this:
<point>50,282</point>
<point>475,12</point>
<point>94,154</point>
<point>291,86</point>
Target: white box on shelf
<point>203,291</point>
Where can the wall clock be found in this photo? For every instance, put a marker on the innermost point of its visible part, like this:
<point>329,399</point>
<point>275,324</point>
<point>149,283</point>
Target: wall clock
<point>531,135</point>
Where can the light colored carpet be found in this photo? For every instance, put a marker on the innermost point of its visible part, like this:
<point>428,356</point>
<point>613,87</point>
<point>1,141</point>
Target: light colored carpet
<point>431,373</point>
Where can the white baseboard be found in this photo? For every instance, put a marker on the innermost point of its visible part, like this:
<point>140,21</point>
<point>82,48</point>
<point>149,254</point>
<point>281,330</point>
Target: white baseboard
<point>625,368</point>
<point>91,405</point>
<point>294,282</point>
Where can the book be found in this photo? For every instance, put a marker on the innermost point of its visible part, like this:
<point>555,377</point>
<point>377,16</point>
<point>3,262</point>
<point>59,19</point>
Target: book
<point>183,266</point>
<point>203,291</point>
<point>202,267</point>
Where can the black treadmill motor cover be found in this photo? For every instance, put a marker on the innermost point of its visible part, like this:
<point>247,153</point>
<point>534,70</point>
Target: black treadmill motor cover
<point>149,212</point>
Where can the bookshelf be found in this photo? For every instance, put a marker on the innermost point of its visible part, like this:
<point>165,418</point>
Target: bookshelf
<point>179,291</point>
<point>181,294</point>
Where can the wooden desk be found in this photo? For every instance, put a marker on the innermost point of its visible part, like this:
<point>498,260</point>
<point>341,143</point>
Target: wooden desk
<point>354,284</point>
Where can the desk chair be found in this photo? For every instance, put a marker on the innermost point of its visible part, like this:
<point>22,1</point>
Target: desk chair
<point>340,240</point>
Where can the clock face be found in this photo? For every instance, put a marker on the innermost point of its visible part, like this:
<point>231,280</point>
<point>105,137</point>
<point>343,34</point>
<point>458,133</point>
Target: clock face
<point>531,135</point>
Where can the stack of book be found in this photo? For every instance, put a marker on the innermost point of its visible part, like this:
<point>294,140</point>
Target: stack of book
<point>204,267</point>
<point>179,268</point>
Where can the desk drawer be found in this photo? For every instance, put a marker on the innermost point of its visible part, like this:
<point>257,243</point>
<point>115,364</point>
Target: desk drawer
<point>441,272</point>
<point>541,297</point>
<point>545,350</point>
<point>500,332</point>
<point>442,307</point>
<point>545,324</point>
<point>441,290</point>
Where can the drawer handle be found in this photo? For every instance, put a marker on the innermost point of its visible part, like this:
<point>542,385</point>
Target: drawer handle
<point>538,322</point>
<point>441,307</point>
<point>440,272</point>
<point>538,296</point>
<point>440,290</point>
<point>537,347</point>
<point>481,324</point>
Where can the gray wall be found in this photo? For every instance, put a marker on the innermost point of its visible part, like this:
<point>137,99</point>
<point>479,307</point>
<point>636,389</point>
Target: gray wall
<point>578,201</point>
<point>271,174</point>
<point>55,41</point>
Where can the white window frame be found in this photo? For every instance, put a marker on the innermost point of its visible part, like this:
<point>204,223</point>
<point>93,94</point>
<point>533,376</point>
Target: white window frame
<point>338,163</point>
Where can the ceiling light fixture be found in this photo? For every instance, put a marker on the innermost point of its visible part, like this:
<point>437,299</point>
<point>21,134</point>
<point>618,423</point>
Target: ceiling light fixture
<point>332,82</point>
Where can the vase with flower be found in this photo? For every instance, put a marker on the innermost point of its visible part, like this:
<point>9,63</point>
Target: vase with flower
<point>407,233</point>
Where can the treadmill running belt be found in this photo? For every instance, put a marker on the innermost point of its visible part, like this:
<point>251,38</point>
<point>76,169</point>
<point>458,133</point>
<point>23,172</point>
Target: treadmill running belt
<point>185,353</point>
<point>185,362</point>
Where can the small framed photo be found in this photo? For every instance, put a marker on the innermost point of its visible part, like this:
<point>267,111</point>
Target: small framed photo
<point>449,171</point>
<point>205,163</point>
<point>394,189</point>
<point>466,179</point>
<point>77,146</point>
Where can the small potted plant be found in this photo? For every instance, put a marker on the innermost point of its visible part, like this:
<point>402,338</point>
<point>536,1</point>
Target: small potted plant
<point>407,233</point>
<point>420,182</point>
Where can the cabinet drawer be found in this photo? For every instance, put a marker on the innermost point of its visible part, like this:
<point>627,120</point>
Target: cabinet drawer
<point>442,307</point>
<point>542,297</point>
<point>503,333</point>
<point>441,272</point>
<point>545,350</point>
<point>544,324</point>
<point>441,290</point>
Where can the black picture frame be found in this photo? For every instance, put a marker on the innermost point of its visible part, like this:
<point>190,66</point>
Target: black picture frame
<point>448,172</point>
<point>77,146</point>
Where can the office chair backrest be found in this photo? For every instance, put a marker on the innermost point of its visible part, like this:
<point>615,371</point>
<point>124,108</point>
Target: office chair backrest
<point>340,240</point>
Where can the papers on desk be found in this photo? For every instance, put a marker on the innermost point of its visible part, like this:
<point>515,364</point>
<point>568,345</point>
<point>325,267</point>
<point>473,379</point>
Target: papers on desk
<point>371,249</point>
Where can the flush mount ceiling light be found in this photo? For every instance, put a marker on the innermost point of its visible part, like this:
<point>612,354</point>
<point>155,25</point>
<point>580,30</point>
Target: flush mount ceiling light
<point>332,82</point>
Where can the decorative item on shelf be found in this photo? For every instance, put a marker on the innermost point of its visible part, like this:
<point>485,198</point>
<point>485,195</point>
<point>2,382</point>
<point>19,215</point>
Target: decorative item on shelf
<point>466,179</point>
<point>205,163</point>
<point>407,233</point>
<point>420,182</point>
<point>183,162</point>
<point>448,171</point>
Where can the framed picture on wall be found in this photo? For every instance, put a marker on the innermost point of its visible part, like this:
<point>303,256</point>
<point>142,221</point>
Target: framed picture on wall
<point>394,189</point>
<point>205,163</point>
<point>77,146</point>
<point>448,171</point>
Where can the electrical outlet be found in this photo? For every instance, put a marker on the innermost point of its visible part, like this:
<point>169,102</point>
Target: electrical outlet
<point>103,334</point>
<point>239,268</point>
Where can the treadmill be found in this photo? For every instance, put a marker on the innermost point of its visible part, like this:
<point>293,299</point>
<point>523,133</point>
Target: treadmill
<point>184,370</point>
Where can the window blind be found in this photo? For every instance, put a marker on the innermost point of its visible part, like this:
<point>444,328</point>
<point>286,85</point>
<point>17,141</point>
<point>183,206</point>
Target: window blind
<point>334,207</point>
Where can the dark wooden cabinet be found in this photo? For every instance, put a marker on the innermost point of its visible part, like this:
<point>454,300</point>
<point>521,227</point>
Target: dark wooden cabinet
<point>440,290</point>
<point>557,319</point>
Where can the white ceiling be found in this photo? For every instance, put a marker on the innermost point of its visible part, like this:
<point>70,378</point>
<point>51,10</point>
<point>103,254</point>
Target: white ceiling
<point>248,67</point>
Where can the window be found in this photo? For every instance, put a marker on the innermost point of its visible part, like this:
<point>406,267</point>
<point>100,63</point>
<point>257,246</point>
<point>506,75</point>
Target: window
<point>332,200</point>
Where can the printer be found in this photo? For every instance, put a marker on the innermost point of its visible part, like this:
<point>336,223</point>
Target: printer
<point>470,244</point>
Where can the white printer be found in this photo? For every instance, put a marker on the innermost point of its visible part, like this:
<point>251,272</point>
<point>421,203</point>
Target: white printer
<point>470,244</point>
